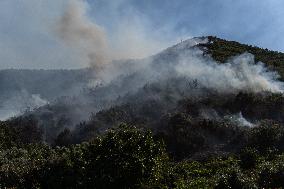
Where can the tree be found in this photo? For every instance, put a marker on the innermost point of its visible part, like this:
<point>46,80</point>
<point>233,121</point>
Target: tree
<point>125,157</point>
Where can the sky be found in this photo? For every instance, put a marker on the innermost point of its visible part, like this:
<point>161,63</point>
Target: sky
<point>134,28</point>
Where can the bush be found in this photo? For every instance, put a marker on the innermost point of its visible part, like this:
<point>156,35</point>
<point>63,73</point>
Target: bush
<point>265,136</point>
<point>248,158</point>
<point>124,158</point>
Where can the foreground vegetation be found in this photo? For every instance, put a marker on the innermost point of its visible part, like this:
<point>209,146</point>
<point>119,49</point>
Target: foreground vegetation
<point>131,157</point>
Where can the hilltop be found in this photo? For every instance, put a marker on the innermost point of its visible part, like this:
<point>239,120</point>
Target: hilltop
<point>221,50</point>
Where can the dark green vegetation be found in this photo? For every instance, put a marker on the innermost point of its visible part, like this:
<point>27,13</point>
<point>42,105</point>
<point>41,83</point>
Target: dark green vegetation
<point>158,139</point>
<point>129,157</point>
<point>221,50</point>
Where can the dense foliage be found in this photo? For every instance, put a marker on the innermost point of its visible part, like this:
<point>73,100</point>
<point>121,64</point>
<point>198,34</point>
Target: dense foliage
<point>129,157</point>
<point>121,158</point>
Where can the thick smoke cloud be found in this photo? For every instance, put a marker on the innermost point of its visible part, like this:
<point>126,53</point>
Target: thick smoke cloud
<point>130,37</point>
<point>77,31</point>
<point>241,73</point>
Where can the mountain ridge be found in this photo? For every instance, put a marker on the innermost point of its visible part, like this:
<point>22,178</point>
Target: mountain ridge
<point>49,85</point>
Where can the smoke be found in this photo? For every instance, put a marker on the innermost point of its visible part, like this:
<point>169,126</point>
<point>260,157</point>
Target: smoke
<point>129,37</point>
<point>186,72</point>
<point>241,73</point>
<point>179,71</point>
<point>78,32</point>
<point>19,103</point>
<point>187,62</point>
<point>238,119</point>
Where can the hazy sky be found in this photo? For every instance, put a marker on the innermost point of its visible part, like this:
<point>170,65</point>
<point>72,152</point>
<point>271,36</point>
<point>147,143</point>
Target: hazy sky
<point>143,27</point>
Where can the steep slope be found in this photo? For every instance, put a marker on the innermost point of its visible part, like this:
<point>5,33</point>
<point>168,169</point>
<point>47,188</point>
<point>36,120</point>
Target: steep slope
<point>221,50</point>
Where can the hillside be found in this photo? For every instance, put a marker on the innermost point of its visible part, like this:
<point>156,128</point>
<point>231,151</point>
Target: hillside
<point>201,114</point>
<point>48,85</point>
<point>221,50</point>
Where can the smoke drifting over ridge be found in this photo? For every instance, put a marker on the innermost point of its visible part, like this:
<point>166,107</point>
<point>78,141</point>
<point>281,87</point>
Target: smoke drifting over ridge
<point>240,73</point>
<point>186,61</point>
<point>19,103</point>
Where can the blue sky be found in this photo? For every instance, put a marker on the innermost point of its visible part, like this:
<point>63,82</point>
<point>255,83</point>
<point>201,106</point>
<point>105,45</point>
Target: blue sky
<point>258,22</point>
<point>27,38</point>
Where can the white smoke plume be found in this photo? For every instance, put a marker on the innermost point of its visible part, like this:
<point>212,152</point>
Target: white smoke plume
<point>239,119</point>
<point>241,73</point>
<point>19,103</point>
<point>185,61</point>
<point>77,31</point>
<point>99,48</point>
